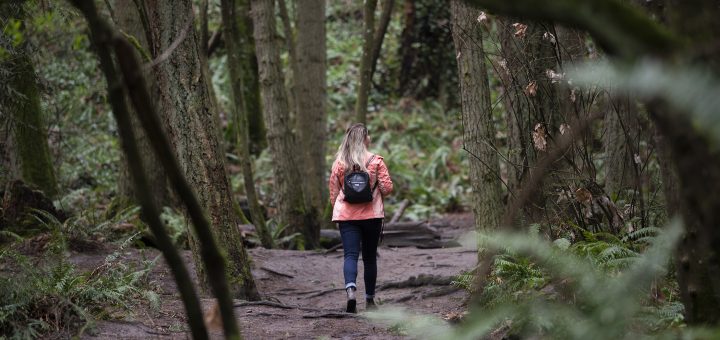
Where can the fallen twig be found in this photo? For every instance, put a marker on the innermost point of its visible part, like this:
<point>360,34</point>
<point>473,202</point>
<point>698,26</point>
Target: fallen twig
<point>273,271</point>
<point>399,212</point>
<point>334,248</point>
<point>321,312</point>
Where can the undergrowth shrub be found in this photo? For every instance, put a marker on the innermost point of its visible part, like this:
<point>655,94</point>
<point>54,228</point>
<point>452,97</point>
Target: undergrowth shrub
<point>49,295</point>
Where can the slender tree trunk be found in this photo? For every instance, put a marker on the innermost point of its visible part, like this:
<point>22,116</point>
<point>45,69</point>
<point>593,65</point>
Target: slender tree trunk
<point>251,86</point>
<point>130,24</point>
<point>366,61</point>
<point>407,52</point>
<point>478,126</point>
<point>386,10</point>
<point>289,195</point>
<point>291,46</point>
<point>25,128</point>
<point>233,25</point>
<point>189,116</point>
<point>311,97</point>
<point>620,131</point>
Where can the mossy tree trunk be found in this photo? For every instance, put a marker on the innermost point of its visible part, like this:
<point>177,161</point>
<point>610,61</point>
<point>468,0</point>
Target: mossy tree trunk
<point>130,24</point>
<point>23,122</point>
<point>189,117</point>
<point>311,97</point>
<point>478,126</point>
<point>234,26</point>
<point>283,148</point>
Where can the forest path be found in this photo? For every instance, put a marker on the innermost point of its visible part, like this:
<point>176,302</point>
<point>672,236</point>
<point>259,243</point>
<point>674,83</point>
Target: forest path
<point>314,282</point>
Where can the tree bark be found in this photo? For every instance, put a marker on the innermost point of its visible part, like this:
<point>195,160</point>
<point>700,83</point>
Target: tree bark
<point>291,45</point>
<point>27,140</point>
<point>189,117</point>
<point>366,62</point>
<point>478,126</point>
<point>233,26</point>
<point>128,21</point>
<point>289,194</point>
<point>311,98</point>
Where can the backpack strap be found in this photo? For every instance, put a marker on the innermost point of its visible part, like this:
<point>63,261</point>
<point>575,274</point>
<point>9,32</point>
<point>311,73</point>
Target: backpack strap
<point>367,165</point>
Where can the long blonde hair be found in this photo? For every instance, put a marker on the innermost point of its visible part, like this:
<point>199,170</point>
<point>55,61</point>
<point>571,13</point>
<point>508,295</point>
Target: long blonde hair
<point>352,150</point>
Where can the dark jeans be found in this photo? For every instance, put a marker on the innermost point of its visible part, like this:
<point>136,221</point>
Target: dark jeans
<point>357,235</point>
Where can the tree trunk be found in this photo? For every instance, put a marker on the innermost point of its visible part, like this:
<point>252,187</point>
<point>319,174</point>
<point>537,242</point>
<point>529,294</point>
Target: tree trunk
<point>27,140</point>
<point>234,25</point>
<point>311,98</point>
<point>386,10</point>
<point>532,101</point>
<point>128,20</point>
<point>291,46</point>
<point>698,166</point>
<point>189,116</point>
<point>289,195</point>
<point>478,126</point>
<point>407,52</point>
<point>366,61</point>
<point>620,146</point>
<point>251,86</point>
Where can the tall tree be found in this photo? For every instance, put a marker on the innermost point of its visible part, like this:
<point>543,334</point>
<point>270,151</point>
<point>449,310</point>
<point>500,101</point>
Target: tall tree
<point>288,193</point>
<point>189,117</point>
<point>20,111</point>
<point>234,26</point>
<point>311,100</point>
<point>478,126</point>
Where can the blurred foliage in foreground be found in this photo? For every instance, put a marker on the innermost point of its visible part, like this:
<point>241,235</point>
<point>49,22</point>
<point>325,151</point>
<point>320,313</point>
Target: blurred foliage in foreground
<point>601,288</point>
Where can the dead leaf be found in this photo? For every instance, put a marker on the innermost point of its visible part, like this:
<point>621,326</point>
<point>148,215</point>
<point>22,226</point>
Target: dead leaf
<point>549,36</point>
<point>583,196</point>
<point>520,29</point>
<point>531,89</point>
<point>538,136</point>
<point>564,128</point>
<point>572,95</point>
<point>482,17</point>
<point>459,54</point>
<point>637,159</point>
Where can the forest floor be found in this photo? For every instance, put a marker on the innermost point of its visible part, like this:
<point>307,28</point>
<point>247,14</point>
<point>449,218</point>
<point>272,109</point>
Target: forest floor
<point>311,280</point>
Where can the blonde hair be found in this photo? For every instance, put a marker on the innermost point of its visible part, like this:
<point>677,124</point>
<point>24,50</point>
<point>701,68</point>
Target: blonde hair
<point>352,150</point>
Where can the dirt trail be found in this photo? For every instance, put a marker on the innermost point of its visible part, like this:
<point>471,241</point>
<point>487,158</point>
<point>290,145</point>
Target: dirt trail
<point>311,280</point>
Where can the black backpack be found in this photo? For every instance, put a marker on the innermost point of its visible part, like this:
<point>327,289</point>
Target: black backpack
<point>356,185</point>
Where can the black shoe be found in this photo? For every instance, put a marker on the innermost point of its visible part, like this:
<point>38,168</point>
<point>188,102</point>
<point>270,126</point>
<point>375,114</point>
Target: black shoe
<point>370,304</point>
<point>351,306</point>
<point>351,302</point>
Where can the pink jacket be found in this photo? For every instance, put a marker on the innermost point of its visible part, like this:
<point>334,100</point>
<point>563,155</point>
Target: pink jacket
<point>343,211</point>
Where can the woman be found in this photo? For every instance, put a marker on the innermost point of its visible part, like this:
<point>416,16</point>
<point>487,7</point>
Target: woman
<point>360,223</point>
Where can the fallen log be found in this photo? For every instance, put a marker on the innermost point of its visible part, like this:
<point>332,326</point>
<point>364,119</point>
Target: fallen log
<point>400,234</point>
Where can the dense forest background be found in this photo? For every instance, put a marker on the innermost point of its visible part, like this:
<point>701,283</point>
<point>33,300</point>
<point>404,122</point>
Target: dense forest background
<point>578,137</point>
